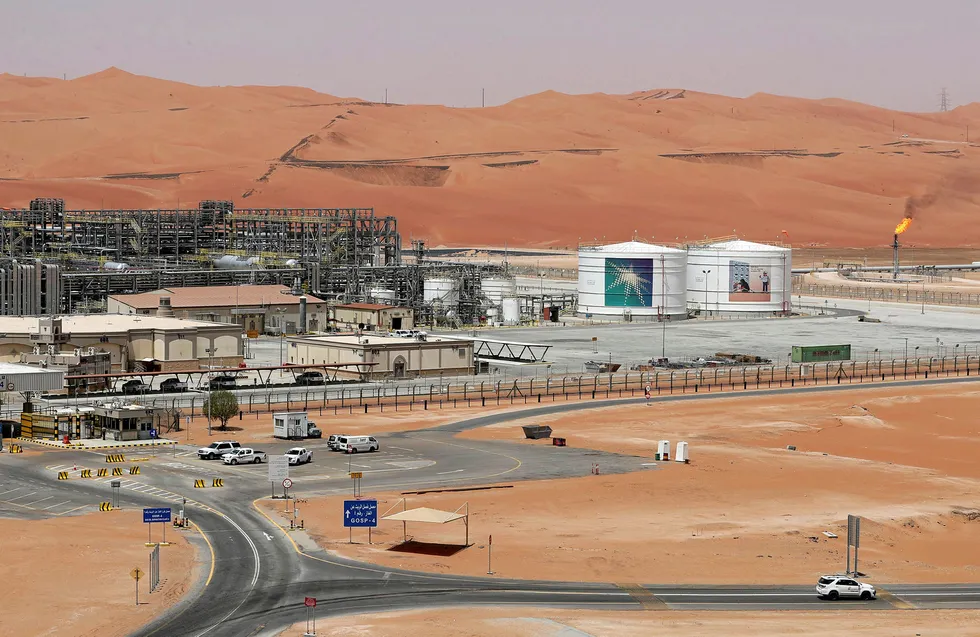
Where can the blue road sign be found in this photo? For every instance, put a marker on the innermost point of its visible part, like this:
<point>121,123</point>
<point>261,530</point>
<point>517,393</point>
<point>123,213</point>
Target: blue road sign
<point>158,514</point>
<point>153,433</point>
<point>361,513</point>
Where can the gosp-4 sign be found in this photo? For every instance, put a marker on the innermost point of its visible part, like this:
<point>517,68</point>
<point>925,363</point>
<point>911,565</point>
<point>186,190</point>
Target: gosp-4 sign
<point>361,513</point>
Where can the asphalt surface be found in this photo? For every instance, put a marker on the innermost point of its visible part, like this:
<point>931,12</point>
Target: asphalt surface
<point>261,576</point>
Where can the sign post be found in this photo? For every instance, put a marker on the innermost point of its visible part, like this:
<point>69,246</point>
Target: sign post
<point>490,556</point>
<point>360,514</point>
<point>136,574</point>
<point>310,603</point>
<point>356,477</point>
<point>278,471</point>
<point>853,539</point>
<point>156,514</point>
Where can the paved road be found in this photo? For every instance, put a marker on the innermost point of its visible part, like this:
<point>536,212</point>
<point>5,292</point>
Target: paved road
<point>260,577</point>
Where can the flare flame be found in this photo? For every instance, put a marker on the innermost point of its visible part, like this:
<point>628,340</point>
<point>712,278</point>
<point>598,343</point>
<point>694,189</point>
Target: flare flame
<point>902,227</point>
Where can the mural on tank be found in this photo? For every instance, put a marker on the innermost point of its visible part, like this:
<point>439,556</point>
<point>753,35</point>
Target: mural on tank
<point>629,283</point>
<point>748,283</point>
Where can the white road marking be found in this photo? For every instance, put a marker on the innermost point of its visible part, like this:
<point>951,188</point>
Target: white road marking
<point>401,448</point>
<point>21,496</point>
<point>255,577</point>
<point>442,473</point>
<point>75,509</point>
<point>11,491</point>
<point>267,536</point>
<point>50,497</point>
<point>56,505</point>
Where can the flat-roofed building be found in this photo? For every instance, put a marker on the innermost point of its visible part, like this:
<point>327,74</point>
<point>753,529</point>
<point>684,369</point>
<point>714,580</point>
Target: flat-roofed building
<point>372,317</point>
<point>259,309</point>
<point>385,356</point>
<point>134,342</point>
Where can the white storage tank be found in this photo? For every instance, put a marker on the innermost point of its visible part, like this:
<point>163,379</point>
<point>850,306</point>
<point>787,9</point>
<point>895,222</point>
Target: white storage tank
<point>640,280</point>
<point>510,311</point>
<point>738,277</point>
<point>496,288</point>
<point>442,292</point>
<point>383,296</point>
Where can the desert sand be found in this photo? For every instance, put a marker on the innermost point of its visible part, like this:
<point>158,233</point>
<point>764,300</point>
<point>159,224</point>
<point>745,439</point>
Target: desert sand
<point>71,576</point>
<point>746,509</point>
<point>532,622</point>
<point>544,170</point>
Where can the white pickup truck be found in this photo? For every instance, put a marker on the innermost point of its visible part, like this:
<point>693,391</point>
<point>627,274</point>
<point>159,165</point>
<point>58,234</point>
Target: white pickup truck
<point>244,455</point>
<point>299,455</point>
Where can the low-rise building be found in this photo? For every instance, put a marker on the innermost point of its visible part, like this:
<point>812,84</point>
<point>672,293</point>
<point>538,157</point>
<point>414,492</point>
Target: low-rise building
<point>372,316</point>
<point>385,356</point>
<point>258,309</point>
<point>134,342</point>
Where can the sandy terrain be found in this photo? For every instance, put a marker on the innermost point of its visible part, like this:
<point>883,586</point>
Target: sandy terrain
<point>745,509</point>
<point>258,427</point>
<point>544,170</point>
<point>72,578</point>
<point>531,622</point>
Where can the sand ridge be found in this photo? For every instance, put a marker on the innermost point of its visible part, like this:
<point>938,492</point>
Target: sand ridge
<point>547,169</point>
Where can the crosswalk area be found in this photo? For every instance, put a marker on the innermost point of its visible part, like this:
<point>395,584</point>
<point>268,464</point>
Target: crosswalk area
<point>125,482</point>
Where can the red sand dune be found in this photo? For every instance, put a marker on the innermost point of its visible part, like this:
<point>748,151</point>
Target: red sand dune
<point>544,170</point>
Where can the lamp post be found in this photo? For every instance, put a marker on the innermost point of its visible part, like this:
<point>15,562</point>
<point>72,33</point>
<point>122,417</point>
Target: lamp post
<point>906,365</point>
<point>282,335</point>
<point>210,351</point>
<point>705,273</point>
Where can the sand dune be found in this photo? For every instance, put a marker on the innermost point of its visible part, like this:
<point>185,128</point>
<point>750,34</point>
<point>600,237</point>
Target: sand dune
<point>543,170</point>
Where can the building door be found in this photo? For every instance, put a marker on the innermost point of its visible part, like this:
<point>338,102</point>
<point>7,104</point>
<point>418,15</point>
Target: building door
<point>396,323</point>
<point>399,367</point>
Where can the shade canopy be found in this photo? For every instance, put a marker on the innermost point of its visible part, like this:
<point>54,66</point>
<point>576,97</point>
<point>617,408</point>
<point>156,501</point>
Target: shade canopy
<point>425,514</point>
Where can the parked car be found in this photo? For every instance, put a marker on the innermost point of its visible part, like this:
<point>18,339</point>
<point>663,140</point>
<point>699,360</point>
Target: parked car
<point>354,444</point>
<point>244,455</point>
<point>838,586</point>
<point>172,386</point>
<point>222,382</point>
<point>299,455</point>
<point>333,442</point>
<point>309,378</point>
<point>217,449</point>
<point>135,387</point>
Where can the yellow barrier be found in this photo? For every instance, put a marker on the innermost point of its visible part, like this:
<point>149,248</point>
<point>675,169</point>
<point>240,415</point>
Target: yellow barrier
<point>16,449</point>
<point>105,506</point>
<point>86,473</point>
<point>218,482</point>
<point>117,471</point>
<point>62,475</point>
<point>199,484</point>
<point>115,457</point>
<point>134,471</point>
<point>103,473</point>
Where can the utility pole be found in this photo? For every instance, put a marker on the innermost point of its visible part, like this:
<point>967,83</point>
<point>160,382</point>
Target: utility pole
<point>943,100</point>
<point>483,97</point>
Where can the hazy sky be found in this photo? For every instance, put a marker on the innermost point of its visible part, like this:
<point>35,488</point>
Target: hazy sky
<point>895,53</point>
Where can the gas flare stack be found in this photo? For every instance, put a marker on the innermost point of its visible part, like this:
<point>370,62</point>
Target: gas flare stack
<point>899,229</point>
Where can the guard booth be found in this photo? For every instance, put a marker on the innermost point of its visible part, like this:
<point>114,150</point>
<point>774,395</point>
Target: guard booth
<point>125,422</point>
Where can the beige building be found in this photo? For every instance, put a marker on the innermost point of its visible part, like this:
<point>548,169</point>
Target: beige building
<point>393,357</point>
<point>262,309</point>
<point>371,316</point>
<point>134,342</point>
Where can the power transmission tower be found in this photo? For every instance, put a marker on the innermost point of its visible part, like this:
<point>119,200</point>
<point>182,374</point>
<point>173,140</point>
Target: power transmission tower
<point>943,101</point>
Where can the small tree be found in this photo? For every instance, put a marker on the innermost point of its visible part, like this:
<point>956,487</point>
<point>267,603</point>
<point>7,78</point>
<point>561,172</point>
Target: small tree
<point>221,405</point>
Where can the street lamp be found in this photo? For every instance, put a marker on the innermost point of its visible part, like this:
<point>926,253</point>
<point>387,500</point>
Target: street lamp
<point>282,335</point>
<point>210,351</point>
<point>705,273</point>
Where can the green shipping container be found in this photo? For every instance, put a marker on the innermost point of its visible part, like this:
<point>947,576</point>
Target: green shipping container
<point>821,353</point>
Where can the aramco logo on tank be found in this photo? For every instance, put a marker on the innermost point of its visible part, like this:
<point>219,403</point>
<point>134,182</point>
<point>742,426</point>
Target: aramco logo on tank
<point>629,282</point>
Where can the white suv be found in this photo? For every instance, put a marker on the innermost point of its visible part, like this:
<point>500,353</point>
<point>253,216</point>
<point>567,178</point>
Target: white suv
<point>837,586</point>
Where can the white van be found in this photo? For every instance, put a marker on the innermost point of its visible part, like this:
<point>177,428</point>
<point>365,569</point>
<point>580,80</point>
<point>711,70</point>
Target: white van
<point>354,444</point>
